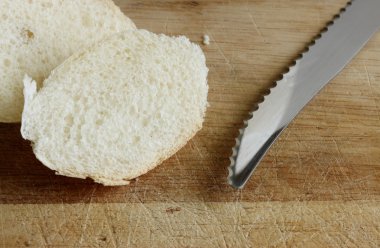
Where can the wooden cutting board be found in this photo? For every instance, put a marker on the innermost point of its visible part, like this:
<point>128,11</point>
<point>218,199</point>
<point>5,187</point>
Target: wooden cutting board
<point>319,186</point>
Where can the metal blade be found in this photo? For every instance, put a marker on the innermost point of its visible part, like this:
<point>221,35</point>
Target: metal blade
<point>325,58</point>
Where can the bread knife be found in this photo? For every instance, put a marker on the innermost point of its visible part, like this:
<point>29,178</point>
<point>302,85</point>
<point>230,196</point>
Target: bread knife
<point>325,57</point>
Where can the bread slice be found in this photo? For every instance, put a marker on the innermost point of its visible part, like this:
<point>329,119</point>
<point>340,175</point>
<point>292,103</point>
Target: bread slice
<point>38,35</point>
<point>119,109</point>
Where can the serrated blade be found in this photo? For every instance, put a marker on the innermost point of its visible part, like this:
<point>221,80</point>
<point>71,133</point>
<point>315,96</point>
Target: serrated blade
<point>326,57</point>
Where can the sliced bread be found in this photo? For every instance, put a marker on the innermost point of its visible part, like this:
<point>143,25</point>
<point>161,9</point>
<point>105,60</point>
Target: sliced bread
<point>119,109</point>
<point>38,35</point>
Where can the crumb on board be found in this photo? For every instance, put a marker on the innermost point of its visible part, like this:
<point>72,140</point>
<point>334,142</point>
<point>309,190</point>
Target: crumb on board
<point>206,39</point>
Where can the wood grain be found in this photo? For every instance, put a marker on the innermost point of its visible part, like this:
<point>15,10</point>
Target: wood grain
<point>318,186</point>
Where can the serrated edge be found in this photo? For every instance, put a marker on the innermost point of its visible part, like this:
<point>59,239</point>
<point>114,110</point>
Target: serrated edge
<point>235,149</point>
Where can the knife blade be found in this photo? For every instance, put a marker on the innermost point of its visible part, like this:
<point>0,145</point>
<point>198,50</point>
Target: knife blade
<point>326,56</point>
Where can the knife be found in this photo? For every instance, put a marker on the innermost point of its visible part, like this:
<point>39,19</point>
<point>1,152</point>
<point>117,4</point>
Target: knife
<point>326,56</point>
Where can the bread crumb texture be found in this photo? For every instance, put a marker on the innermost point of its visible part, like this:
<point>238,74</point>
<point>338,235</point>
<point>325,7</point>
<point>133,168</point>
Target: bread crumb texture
<point>36,36</point>
<point>119,109</point>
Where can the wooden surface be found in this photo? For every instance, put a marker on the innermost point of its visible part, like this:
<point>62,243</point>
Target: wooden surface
<point>319,186</point>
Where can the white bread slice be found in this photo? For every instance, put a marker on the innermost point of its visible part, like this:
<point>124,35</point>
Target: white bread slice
<point>119,109</point>
<point>38,35</point>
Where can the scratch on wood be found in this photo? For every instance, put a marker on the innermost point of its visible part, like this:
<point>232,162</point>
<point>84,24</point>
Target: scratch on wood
<point>256,26</point>
<point>324,225</point>
<point>143,208</point>
<point>220,224</point>
<point>338,150</point>
<point>306,180</point>
<point>2,229</point>
<point>309,237</point>
<point>254,23</point>
<point>237,207</point>
<point>113,238</point>
<point>219,49</point>
<point>299,160</point>
<point>87,215</point>
<point>197,148</point>
<point>277,226</point>
<point>46,243</point>
<point>339,160</point>
<point>325,174</point>
<point>228,62</point>
<point>372,90</point>
<point>177,159</point>
<point>133,229</point>
<point>283,141</point>
<point>188,210</point>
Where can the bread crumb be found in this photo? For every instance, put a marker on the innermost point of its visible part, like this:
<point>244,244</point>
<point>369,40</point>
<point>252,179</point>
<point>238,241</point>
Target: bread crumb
<point>206,40</point>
